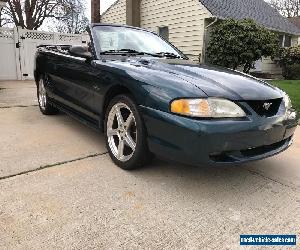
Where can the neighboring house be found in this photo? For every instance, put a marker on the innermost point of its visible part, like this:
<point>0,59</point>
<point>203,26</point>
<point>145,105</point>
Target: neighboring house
<point>296,22</point>
<point>186,23</point>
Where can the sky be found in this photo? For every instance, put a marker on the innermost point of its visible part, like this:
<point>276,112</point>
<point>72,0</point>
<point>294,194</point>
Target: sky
<point>104,4</point>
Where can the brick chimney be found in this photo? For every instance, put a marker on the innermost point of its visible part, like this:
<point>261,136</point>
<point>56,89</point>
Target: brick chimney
<point>95,11</point>
<point>133,16</point>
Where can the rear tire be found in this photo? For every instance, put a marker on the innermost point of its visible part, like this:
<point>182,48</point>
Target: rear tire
<point>45,107</point>
<point>125,134</point>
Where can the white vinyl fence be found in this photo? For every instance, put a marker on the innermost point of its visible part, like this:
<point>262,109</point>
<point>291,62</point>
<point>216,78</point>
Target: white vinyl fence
<point>18,46</point>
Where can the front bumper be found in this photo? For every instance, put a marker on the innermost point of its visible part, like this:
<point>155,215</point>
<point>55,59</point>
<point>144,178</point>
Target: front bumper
<point>193,141</point>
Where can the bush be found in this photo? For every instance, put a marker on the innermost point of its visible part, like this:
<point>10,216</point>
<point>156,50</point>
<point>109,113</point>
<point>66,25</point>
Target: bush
<point>292,72</point>
<point>237,43</point>
<point>289,60</point>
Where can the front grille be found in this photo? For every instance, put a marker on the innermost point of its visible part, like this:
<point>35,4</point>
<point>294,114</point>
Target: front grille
<point>266,108</point>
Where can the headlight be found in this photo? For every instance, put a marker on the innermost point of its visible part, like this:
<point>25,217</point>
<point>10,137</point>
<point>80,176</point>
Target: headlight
<point>287,101</point>
<point>290,114</point>
<point>207,108</point>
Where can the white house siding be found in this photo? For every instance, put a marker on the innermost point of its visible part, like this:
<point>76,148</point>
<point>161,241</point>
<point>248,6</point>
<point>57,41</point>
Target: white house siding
<point>185,19</point>
<point>295,40</point>
<point>116,14</point>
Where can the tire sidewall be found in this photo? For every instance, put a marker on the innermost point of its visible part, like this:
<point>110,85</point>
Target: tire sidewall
<point>49,109</point>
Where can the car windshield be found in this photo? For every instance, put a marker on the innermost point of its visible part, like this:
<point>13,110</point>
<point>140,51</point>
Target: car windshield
<point>114,39</point>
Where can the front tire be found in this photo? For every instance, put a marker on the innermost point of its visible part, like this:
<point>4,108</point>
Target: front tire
<point>125,134</point>
<point>45,107</point>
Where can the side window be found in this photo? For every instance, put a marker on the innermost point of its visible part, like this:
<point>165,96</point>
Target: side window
<point>164,32</point>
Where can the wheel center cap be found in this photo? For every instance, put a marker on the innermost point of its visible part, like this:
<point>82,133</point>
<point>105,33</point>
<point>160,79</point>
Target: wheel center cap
<point>122,132</point>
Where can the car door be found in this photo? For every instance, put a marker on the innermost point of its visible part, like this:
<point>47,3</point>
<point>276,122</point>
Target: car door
<point>77,83</point>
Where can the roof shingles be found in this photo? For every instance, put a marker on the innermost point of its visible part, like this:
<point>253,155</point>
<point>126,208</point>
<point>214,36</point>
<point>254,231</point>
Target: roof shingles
<point>258,10</point>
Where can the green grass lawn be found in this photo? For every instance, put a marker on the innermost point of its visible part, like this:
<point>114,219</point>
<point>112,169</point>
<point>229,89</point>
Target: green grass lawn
<point>292,88</point>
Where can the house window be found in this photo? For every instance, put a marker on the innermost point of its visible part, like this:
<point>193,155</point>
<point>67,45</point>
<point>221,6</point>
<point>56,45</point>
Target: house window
<point>288,41</point>
<point>164,32</point>
<point>285,41</point>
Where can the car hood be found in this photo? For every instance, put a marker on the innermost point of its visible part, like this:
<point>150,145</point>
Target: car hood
<point>214,81</point>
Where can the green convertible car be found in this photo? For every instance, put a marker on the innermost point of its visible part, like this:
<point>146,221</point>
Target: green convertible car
<point>150,99</point>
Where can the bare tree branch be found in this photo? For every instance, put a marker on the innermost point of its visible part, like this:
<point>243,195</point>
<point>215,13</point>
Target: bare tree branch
<point>31,14</point>
<point>72,18</point>
<point>288,8</point>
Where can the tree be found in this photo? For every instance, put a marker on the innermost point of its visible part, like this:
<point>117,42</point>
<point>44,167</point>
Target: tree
<point>4,17</point>
<point>31,14</point>
<point>71,18</point>
<point>236,44</point>
<point>287,8</point>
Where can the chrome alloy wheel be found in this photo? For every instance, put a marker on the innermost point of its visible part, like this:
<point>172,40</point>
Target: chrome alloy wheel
<point>42,95</point>
<point>121,132</point>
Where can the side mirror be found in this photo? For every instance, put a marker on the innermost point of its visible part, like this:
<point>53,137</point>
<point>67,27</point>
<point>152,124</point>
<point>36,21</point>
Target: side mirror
<point>80,51</point>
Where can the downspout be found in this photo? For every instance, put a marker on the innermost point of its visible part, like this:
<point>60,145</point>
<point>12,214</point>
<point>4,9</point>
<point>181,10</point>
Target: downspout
<point>204,40</point>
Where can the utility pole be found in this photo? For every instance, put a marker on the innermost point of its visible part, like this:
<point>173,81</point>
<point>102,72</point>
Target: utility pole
<point>133,15</point>
<point>95,11</point>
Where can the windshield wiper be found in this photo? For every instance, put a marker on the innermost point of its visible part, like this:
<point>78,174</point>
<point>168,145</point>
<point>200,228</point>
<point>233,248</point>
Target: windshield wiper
<point>168,54</point>
<point>118,51</point>
<point>128,51</point>
<point>135,52</point>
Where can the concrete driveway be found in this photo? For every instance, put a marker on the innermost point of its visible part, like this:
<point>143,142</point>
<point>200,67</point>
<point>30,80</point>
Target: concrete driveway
<point>60,190</point>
